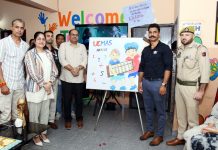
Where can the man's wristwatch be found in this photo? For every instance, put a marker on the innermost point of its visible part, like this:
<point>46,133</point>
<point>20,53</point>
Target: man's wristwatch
<point>163,84</point>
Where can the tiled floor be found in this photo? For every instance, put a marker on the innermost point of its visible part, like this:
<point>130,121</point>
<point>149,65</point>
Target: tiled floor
<point>112,133</point>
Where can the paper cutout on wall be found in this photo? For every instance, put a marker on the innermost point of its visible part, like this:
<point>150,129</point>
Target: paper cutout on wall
<point>42,18</point>
<point>53,26</point>
<point>213,69</point>
<point>198,40</point>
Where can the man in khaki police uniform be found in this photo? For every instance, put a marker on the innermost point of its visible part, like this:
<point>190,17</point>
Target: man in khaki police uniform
<point>193,70</point>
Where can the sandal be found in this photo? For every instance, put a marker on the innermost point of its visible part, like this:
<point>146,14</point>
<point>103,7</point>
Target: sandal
<point>37,141</point>
<point>44,138</point>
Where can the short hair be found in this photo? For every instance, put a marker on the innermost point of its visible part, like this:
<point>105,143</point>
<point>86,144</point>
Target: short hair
<point>48,31</point>
<point>59,35</point>
<point>116,51</point>
<point>132,45</point>
<point>73,30</point>
<point>19,20</point>
<point>154,25</point>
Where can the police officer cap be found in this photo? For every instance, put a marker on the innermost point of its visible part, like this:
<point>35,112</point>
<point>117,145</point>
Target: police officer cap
<point>190,29</point>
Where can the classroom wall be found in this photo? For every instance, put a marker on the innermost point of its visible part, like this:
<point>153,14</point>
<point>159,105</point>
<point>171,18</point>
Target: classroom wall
<point>10,11</point>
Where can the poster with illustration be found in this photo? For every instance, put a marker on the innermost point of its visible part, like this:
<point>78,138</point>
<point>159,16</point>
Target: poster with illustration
<point>113,63</point>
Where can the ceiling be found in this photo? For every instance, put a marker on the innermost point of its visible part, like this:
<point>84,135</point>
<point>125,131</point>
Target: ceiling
<point>32,4</point>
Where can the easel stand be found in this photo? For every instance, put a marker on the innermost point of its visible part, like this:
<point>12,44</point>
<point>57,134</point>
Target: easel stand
<point>96,95</point>
<point>103,105</point>
<point>112,95</point>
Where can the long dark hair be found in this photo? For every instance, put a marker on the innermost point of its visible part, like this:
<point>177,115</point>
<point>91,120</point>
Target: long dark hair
<point>35,36</point>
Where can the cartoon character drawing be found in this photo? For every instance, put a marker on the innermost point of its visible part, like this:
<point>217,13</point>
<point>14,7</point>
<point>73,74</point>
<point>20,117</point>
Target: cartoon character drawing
<point>132,55</point>
<point>115,55</point>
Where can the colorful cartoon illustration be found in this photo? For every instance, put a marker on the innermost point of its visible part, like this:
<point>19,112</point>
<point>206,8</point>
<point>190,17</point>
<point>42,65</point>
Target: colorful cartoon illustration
<point>132,55</point>
<point>115,55</point>
<point>213,69</point>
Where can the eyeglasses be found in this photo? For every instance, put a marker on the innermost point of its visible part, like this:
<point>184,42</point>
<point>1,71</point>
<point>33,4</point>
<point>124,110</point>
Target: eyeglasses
<point>74,35</point>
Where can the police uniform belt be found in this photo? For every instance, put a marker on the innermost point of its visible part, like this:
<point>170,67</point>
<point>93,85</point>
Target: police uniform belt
<point>187,83</point>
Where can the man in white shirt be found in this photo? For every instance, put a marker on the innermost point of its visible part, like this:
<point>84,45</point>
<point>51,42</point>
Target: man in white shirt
<point>73,58</point>
<point>12,51</point>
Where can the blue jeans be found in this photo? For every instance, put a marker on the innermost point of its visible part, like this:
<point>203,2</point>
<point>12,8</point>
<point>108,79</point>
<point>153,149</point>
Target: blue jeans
<point>152,99</point>
<point>59,99</point>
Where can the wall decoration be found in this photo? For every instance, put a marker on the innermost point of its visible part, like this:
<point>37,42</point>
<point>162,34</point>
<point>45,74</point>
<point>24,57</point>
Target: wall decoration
<point>213,69</point>
<point>53,27</point>
<point>42,18</point>
<point>198,40</point>
<point>139,14</point>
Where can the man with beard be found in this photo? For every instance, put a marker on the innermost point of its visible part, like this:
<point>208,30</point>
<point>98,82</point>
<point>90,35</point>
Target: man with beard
<point>154,73</point>
<point>12,51</point>
<point>193,70</point>
<point>49,41</point>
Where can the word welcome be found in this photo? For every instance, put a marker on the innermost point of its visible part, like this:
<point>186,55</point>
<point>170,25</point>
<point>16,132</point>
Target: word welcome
<point>89,18</point>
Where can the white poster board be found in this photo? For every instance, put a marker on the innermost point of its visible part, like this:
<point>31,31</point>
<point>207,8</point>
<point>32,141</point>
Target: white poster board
<point>139,14</point>
<point>113,63</point>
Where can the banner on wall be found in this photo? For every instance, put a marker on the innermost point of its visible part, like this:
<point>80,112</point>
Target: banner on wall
<point>113,63</point>
<point>138,14</point>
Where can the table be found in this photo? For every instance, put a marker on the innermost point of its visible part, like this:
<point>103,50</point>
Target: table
<point>24,134</point>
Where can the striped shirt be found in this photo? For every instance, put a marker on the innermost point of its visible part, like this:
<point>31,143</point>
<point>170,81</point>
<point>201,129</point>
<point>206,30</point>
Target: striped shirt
<point>35,76</point>
<point>11,57</point>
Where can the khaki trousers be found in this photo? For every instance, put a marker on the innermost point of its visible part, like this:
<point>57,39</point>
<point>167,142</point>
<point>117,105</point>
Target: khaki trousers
<point>186,107</point>
<point>8,105</point>
<point>39,112</point>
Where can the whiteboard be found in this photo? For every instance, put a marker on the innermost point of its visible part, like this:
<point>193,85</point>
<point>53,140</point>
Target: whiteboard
<point>113,63</point>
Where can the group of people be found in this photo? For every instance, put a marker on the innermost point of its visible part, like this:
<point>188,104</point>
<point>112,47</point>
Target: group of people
<point>193,70</point>
<point>42,75</point>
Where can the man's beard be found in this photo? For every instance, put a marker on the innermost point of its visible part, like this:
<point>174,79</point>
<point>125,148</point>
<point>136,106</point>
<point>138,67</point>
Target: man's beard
<point>49,42</point>
<point>188,42</point>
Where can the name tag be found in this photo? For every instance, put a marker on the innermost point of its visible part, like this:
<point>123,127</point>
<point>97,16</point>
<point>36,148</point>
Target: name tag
<point>154,52</point>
